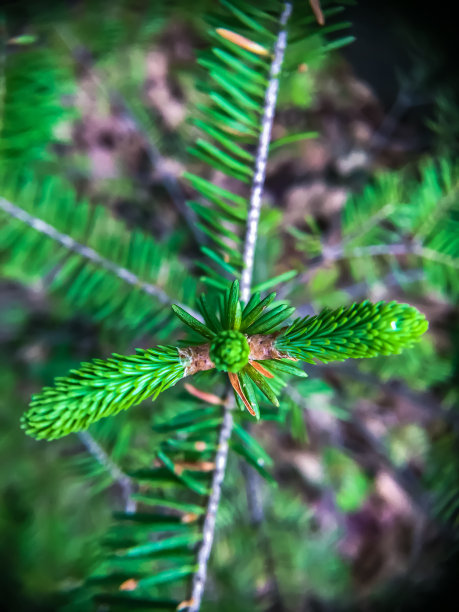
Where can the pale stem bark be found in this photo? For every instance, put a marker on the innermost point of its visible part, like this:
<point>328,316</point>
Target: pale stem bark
<point>340,252</point>
<point>262,156</point>
<point>87,253</point>
<point>208,531</point>
<point>199,578</point>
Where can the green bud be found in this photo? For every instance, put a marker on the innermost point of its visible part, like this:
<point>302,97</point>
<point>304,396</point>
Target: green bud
<point>229,351</point>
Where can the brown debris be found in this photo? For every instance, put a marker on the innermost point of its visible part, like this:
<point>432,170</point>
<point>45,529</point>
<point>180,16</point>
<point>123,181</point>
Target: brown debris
<point>197,466</point>
<point>185,604</point>
<point>189,517</point>
<point>234,380</point>
<point>242,41</point>
<point>128,585</point>
<point>209,398</point>
<point>317,10</point>
<point>259,368</point>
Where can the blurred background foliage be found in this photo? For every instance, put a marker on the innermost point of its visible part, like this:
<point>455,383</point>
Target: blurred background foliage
<point>364,514</point>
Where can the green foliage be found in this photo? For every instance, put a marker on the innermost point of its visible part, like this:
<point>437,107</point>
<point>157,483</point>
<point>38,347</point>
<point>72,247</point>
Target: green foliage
<point>230,123</point>
<point>229,351</point>
<point>100,389</point>
<point>349,482</point>
<point>407,443</point>
<point>103,388</point>
<point>88,257</point>
<point>34,85</point>
<point>171,496</point>
<point>223,310</point>
<point>418,217</point>
<point>360,330</point>
<point>127,280</point>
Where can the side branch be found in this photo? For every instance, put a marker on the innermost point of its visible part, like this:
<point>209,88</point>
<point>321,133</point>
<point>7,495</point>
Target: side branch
<point>333,254</point>
<point>199,577</point>
<point>84,251</point>
<point>262,156</point>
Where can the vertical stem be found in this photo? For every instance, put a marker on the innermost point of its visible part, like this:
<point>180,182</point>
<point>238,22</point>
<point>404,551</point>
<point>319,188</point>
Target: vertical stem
<point>262,155</point>
<point>199,578</point>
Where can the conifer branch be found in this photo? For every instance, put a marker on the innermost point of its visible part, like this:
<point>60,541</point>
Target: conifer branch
<point>208,531</point>
<point>262,156</point>
<point>199,578</point>
<point>100,389</point>
<point>358,331</point>
<point>121,479</point>
<point>398,249</point>
<point>333,254</point>
<point>85,252</point>
<point>400,279</point>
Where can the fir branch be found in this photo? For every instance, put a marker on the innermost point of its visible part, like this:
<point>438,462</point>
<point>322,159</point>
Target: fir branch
<point>262,156</point>
<point>100,389</point>
<point>358,331</point>
<point>199,578</point>
<point>122,480</point>
<point>84,251</point>
<point>337,253</point>
<point>208,530</point>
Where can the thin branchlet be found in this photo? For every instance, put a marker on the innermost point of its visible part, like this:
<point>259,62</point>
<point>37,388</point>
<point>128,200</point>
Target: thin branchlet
<point>199,578</point>
<point>262,156</point>
<point>86,252</point>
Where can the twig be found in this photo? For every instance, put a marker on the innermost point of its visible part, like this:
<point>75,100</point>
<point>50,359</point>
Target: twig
<point>262,156</point>
<point>86,252</point>
<point>358,290</point>
<point>121,479</point>
<point>199,578</point>
<point>208,530</point>
<point>332,254</point>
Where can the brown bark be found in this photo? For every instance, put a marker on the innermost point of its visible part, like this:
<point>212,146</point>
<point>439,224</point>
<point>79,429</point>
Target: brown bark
<point>196,358</point>
<point>261,346</point>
